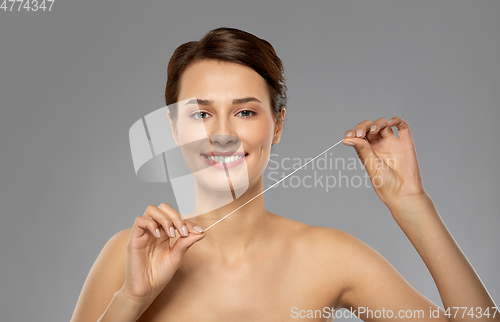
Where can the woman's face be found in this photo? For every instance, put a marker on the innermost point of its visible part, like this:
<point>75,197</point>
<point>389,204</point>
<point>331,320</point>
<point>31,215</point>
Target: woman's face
<point>232,122</point>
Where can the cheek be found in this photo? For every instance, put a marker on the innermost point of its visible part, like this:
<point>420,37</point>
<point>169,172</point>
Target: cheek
<point>190,132</point>
<point>259,136</point>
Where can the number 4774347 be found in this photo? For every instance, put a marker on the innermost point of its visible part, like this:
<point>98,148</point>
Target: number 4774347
<point>27,5</point>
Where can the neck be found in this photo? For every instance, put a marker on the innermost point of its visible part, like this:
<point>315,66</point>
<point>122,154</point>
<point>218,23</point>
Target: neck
<point>240,231</point>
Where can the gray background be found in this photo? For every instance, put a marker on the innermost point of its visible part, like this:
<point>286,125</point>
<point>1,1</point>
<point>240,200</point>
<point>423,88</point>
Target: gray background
<point>72,82</point>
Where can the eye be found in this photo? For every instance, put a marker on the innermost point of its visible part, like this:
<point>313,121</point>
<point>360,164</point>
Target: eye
<point>199,115</point>
<point>246,113</point>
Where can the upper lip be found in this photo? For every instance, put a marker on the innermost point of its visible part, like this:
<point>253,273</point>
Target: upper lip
<point>224,153</point>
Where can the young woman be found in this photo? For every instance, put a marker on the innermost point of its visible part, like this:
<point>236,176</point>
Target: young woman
<point>256,265</point>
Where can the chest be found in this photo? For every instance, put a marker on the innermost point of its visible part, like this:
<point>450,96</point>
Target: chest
<point>262,291</point>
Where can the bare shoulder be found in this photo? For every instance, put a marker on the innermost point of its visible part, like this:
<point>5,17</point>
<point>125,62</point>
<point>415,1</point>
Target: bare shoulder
<point>363,270</point>
<point>357,273</point>
<point>333,259</point>
<point>337,240</point>
<point>114,252</point>
<point>321,239</point>
<point>330,246</point>
<point>340,247</point>
<point>106,276</point>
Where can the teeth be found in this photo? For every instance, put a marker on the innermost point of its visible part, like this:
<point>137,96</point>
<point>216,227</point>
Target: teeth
<point>221,159</point>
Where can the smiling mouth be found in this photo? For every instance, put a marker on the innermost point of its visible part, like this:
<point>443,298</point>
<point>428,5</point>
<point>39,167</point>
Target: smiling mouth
<point>224,159</point>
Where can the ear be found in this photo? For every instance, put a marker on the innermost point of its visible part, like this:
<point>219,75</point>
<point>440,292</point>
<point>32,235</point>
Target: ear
<point>279,126</point>
<point>173,128</point>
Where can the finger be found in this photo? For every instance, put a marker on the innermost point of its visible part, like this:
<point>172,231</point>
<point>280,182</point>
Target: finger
<point>176,219</point>
<point>362,128</point>
<point>386,131</point>
<point>366,154</point>
<point>182,245</point>
<point>348,135</point>
<point>401,125</point>
<point>378,130</point>
<point>161,218</point>
<point>373,134</point>
<point>193,228</point>
<point>145,225</point>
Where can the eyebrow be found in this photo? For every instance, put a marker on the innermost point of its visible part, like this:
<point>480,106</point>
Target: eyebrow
<point>235,101</point>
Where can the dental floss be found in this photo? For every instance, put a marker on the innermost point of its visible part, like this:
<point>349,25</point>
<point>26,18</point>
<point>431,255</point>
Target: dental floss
<point>273,185</point>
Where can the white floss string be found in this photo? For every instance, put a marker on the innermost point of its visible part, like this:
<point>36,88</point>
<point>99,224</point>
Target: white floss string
<point>218,221</point>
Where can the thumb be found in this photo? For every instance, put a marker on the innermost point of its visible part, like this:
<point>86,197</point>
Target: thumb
<point>366,154</point>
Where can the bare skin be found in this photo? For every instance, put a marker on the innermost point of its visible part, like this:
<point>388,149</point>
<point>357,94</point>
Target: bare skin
<point>258,266</point>
<point>265,280</point>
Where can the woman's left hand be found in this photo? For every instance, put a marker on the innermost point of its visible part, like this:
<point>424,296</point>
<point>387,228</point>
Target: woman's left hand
<point>391,162</point>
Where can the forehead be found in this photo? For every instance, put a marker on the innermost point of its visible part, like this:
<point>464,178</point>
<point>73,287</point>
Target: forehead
<point>222,82</point>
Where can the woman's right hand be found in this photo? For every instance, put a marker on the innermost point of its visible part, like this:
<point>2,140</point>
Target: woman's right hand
<point>151,262</point>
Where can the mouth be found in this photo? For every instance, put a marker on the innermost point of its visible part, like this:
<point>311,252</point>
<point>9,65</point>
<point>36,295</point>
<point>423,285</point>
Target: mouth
<point>221,159</point>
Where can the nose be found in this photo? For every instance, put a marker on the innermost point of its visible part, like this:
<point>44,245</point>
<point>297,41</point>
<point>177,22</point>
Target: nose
<point>223,136</point>
<point>224,140</point>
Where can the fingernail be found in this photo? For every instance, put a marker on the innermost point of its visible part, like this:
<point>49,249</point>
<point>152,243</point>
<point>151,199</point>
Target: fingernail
<point>373,128</point>
<point>172,232</point>
<point>359,133</point>
<point>198,229</point>
<point>158,233</point>
<point>390,121</point>
<point>348,143</point>
<point>184,231</point>
<point>349,134</point>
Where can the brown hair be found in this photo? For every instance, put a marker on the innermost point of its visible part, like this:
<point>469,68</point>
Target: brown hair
<point>229,45</point>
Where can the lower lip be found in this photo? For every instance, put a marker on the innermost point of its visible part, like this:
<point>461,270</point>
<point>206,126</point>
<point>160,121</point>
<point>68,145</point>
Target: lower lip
<point>223,165</point>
